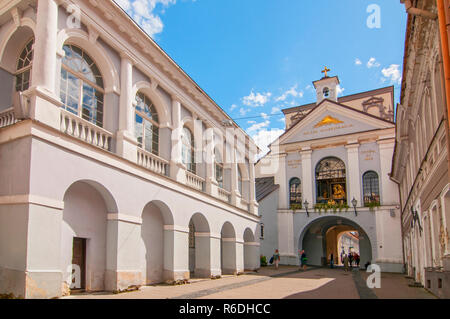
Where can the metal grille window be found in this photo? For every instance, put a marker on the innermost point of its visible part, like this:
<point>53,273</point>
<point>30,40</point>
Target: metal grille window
<point>147,124</point>
<point>371,188</point>
<point>191,235</point>
<point>295,191</point>
<point>331,181</point>
<point>23,70</point>
<point>82,91</point>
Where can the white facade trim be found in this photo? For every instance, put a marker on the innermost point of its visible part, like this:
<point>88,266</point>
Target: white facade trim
<point>125,218</point>
<point>31,199</point>
<point>176,228</point>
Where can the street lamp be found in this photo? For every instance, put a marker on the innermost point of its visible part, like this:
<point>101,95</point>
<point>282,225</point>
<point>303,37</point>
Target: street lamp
<point>306,207</point>
<point>354,203</point>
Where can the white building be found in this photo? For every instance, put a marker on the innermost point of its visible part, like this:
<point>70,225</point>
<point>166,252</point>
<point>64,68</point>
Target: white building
<point>103,141</point>
<point>421,158</point>
<point>335,152</point>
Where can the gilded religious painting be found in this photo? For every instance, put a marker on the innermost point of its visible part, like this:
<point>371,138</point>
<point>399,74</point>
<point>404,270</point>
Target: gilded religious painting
<point>331,182</point>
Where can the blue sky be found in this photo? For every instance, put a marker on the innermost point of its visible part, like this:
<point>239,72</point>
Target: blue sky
<point>255,57</point>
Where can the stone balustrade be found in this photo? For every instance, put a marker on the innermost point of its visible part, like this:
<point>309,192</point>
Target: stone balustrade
<point>224,195</point>
<point>195,181</point>
<point>152,162</point>
<point>7,117</point>
<point>86,131</point>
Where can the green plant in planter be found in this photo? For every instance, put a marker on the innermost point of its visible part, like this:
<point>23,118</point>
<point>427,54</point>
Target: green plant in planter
<point>295,207</point>
<point>263,261</point>
<point>372,205</point>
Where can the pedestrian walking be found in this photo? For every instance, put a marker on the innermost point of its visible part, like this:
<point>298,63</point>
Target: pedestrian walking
<point>303,260</point>
<point>276,258</point>
<point>350,259</point>
<point>331,260</point>
<point>346,261</point>
<point>357,260</point>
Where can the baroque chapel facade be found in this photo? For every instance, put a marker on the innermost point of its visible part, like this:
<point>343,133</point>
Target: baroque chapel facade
<point>328,175</point>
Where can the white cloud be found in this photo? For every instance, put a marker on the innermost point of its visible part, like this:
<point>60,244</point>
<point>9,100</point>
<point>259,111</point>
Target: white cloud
<point>358,61</point>
<point>264,116</point>
<point>275,110</point>
<point>251,122</point>
<point>243,111</point>
<point>233,107</point>
<point>124,4</point>
<point>373,63</point>
<point>310,88</point>
<point>339,90</point>
<point>264,137</point>
<point>291,92</point>
<point>257,126</point>
<point>143,12</point>
<point>258,99</point>
<point>392,73</point>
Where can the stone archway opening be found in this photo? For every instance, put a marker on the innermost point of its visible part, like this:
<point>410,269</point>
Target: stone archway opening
<point>331,234</point>
<point>228,250</point>
<point>199,247</point>
<point>84,244</point>
<point>156,217</point>
<point>251,251</point>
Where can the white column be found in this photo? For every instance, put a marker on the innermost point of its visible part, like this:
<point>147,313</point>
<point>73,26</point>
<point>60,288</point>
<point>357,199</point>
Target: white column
<point>210,159</point>
<point>44,55</point>
<point>234,176</point>
<point>252,194</point>
<point>203,249</point>
<point>353,173</point>
<point>389,190</point>
<point>229,256</point>
<point>251,255</point>
<point>216,255</point>
<point>286,244</point>
<point>177,169</point>
<point>126,140</point>
<point>176,253</point>
<point>44,102</point>
<point>280,179</point>
<point>123,260</point>
<point>307,177</point>
<point>240,256</point>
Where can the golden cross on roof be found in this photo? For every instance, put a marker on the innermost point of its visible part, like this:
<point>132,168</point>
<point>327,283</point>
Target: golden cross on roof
<point>326,70</point>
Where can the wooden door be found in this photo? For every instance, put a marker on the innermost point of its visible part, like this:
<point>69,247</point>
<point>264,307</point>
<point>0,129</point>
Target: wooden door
<point>79,258</point>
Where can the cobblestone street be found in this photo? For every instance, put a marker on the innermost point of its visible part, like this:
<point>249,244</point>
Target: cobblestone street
<point>285,283</point>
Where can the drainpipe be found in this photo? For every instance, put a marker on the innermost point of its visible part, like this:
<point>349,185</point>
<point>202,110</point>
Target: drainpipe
<point>419,12</point>
<point>446,62</point>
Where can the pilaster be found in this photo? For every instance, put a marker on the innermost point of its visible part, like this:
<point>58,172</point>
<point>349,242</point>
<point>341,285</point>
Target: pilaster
<point>353,173</point>
<point>126,141</point>
<point>307,178</point>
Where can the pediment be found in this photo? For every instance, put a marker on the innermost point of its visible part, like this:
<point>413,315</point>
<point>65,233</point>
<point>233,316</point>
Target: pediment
<point>330,119</point>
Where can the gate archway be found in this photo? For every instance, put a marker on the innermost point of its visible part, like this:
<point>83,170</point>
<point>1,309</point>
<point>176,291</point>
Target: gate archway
<point>316,240</point>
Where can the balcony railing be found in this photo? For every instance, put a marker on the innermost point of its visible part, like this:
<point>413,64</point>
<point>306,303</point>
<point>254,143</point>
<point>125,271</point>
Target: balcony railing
<point>195,181</point>
<point>7,117</point>
<point>224,195</point>
<point>152,162</point>
<point>84,130</point>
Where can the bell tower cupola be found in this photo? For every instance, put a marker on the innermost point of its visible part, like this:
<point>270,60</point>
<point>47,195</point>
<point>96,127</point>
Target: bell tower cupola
<point>326,87</point>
